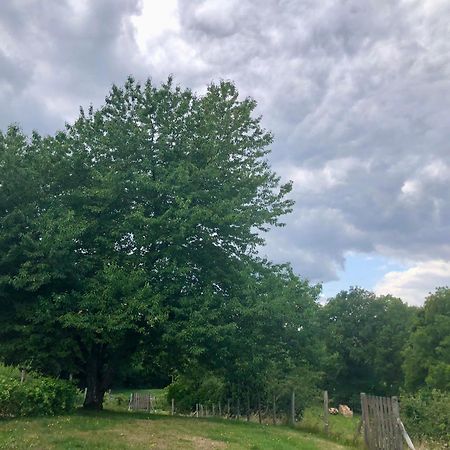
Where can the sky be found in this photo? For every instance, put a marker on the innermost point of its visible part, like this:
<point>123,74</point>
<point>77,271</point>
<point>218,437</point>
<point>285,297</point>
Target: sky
<point>357,95</point>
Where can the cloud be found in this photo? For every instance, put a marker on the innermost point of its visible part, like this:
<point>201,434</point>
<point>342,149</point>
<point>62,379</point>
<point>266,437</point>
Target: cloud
<point>356,94</point>
<point>416,283</point>
<point>65,54</point>
<point>314,241</point>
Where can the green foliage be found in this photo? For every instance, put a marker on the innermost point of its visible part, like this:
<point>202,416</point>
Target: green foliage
<point>38,395</point>
<point>427,355</point>
<point>426,414</point>
<point>365,337</point>
<point>135,217</point>
<point>304,382</point>
<point>262,339</point>
<point>187,391</point>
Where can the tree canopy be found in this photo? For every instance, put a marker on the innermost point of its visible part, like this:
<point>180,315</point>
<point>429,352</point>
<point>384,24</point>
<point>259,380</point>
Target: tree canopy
<point>365,337</point>
<point>128,217</point>
<point>427,354</point>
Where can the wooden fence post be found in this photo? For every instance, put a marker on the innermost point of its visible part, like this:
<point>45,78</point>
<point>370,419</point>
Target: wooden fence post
<point>196,410</point>
<point>220,409</point>
<point>173,406</point>
<point>406,435</point>
<point>325,412</point>
<point>274,409</point>
<point>293,407</point>
<point>396,414</point>
<point>365,419</point>
<point>259,408</point>
<point>228,407</point>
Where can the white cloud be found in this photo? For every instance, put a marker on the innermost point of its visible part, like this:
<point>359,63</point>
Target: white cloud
<point>156,19</point>
<point>416,283</point>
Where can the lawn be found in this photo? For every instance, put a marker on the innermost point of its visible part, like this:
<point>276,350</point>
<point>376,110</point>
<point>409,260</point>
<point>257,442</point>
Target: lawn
<point>123,430</point>
<point>341,428</point>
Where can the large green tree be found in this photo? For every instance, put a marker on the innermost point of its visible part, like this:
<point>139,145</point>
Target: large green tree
<point>116,226</point>
<point>261,342</point>
<point>365,337</point>
<point>427,355</point>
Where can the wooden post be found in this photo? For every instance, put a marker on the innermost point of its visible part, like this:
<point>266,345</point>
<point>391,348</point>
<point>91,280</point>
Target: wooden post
<point>228,407</point>
<point>293,407</point>
<point>173,406</point>
<point>248,406</point>
<point>406,435</point>
<point>196,410</point>
<point>214,409</point>
<point>325,412</point>
<point>259,408</point>
<point>274,409</point>
<point>396,413</point>
<point>201,410</point>
<point>220,409</point>
<point>365,419</point>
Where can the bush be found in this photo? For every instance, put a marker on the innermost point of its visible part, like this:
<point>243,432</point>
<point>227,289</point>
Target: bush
<point>189,390</point>
<point>426,414</point>
<point>38,395</point>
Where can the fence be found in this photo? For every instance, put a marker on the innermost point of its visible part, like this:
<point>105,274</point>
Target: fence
<point>141,402</point>
<point>383,428</point>
<point>269,410</point>
<point>380,422</point>
<point>251,408</point>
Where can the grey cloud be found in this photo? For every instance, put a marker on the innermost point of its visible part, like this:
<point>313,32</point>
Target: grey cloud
<point>71,56</point>
<point>356,93</point>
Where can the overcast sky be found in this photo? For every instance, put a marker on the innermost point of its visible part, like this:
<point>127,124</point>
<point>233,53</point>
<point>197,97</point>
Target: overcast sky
<point>356,92</point>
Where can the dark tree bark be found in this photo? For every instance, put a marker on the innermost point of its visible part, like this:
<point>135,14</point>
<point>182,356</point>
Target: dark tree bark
<point>98,377</point>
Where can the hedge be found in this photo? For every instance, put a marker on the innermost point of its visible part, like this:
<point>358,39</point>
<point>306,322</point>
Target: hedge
<point>426,414</point>
<point>37,395</point>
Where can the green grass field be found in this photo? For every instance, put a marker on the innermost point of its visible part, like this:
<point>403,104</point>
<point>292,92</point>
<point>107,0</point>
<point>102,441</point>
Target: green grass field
<point>122,430</point>
<point>340,428</point>
<point>116,428</point>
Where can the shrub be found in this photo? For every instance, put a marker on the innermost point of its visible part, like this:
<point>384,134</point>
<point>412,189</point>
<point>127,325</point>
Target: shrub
<point>189,390</point>
<point>426,414</point>
<point>38,395</point>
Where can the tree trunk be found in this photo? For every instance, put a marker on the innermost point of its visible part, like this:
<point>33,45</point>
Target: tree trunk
<point>97,378</point>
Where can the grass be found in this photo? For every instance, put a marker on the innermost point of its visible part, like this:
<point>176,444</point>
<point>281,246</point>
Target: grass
<point>116,428</point>
<point>341,429</point>
<point>122,430</point>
